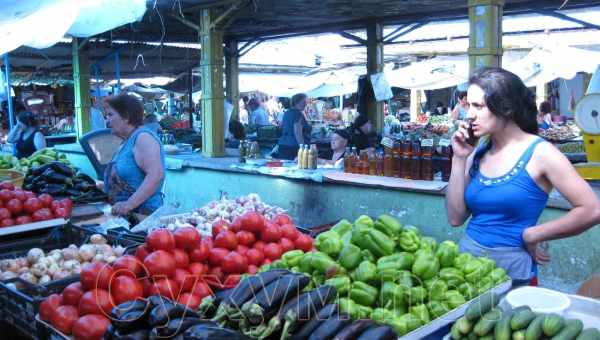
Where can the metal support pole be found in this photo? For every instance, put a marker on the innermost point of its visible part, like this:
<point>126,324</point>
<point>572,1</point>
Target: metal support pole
<point>190,100</point>
<point>375,65</point>
<point>117,73</point>
<point>232,76</point>
<point>81,86</point>
<point>97,77</point>
<point>11,116</point>
<point>485,35</point>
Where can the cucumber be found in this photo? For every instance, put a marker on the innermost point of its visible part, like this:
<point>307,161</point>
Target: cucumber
<point>519,335</point>
<point>522,319</point>
<point>487,322</point>
<point>472,336</point>
<point>589,334</point>
<point>534,331</point>
<point>502,330</point>
<point>464,325</point>
<point>487,337</point>
<point>481,305</point>
<point>455,332</point>
<point>553,323</point>
<point>571,330</point>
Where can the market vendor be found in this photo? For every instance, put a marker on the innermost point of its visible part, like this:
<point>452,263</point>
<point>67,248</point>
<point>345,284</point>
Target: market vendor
<point>503,183</point>
<point>362,134</point>
<point>460,110</point>
<point>295,129</point>
<point>134,178</point>
<point>335,156</point>
<point>25,136</point>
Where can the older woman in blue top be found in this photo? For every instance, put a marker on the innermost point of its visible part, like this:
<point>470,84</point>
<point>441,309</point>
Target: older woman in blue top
<point>134,178</point>
<point>503,183</point>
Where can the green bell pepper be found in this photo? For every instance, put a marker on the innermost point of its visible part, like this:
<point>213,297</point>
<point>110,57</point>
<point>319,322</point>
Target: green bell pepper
<point>279,264</point>
<point>485,284</point>
<point>417,295</point>
<point>400,261</point>
<point>392,296</point>
<point>382,315</point>
<point>329,242</point>
<point>409,241</point>
<point>379,243</point>
<point>340,283</point>
<point>454,299</point>
<point>367,255</point>
<point>437,308</point>
<point>366,272</point>
<point>436,288</point>
<point>421,312</point>
<point>405,324</point>
<point>426,266</point>
<point>487,264</point>
<point>350,256</point>
<point>413,229</point>
<point>389,226</point>
<point>361,227</point>
<point>446,252</point>
<point>342,227</point>
<point>498,275</point>
<point>323,264</point>
<point>473,270</point>
<point>428,243</point>
<point>363,293</point>
<point>292,257</point>
<point>405,279</point>
<point>468,291</point>
<point>349,307</point>
<point>461,260</point>
<point>363,311</point>
<point>318,278</point>
<point>453,277</point>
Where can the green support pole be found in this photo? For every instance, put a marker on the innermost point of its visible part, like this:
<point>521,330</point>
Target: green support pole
<point>81,86</point>
<point>232,76</point>
<point>375,65</point>
<point>211,64</point>
<point>485,36</point>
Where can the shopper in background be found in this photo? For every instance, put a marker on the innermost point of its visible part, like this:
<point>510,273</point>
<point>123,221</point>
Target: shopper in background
<point>97,120</point>
<point>257,116</point>
<point>544,117</point>
<point>25,136</point>
<point>243,107</point>
<point>152,124</point>
<point>363,136</point>
<point>134,178</point>
<point>461,108</point>
<point>339,142</point>
<point>295,129</point>
<point>503,183</point>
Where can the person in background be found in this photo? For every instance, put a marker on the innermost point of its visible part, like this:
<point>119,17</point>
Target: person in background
<point>134,178</point>
<point>151,123</point>
<point>339,142</point>
<point>363,136</point>
<point>295,129</point>
<point>257,116</point>
<point>25,136</point>
<point>284,104</point>
<point>66,124</point>
<point>227,110</point>
<point>461,108</point>
<point>97,120</point>
<point>501,186</point>
<point>243,105</point>
<point>544,117</point>
<point>440,109</point>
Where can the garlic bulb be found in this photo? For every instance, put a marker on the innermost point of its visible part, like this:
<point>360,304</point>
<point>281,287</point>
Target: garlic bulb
<point>34,255</point>
<point>87,252</point>
<point>97,239</point>
<point>44,279</point>
<point>39,269</point>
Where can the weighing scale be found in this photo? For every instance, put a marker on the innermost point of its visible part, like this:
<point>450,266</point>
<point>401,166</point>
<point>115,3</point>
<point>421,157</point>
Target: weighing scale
<point>587,117</point>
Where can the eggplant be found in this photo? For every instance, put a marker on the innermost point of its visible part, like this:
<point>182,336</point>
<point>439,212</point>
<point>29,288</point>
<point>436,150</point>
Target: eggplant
<point>161,314</point>
<point>126,307</point>
<point>378,333</point>
<point>73,192</point>
<point>157,300</point>
<point>330,327</point>
<point>52,189</point>
<point>62,168</point>
<point>85,178</point>
<point>209,304</point>
<point>204,332</point>
<point>306,330</point>
<point>113,334</point>
<point>354,329</point>
<point>178,326</point>
<point>52,176</point>
<point>299,309</point>
<point>40,169</point>
<point>131,321</point>
<point>267,302</point>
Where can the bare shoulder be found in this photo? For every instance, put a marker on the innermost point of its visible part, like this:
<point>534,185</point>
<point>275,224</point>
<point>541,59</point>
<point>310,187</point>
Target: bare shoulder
<point>145,139</point>
<point>547,156</point>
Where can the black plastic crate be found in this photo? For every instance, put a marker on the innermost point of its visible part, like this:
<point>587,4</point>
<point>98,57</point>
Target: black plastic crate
<point>19,307</point>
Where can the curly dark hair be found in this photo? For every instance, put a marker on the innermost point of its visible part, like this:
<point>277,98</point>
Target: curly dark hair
<point>128,107</point>
<point>507,97</point>
<point>545,107</point>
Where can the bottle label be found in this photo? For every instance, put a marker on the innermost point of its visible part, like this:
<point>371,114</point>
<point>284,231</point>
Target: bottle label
<point>444,142</point>
<point>427,142</point>
<point>387,142</point>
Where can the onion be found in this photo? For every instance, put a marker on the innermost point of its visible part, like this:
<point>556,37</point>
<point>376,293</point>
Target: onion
<point>44,279</point>
<point>8,275</point>
<point>61,274</point>
<point>39,269</point>
<point>97,239</point>
<point>23,270</point>
<point>34,255</point>
<point>119,250</point>
<point>70,254</point>
<point>104,249</point>
<point>72,246</point>
<point>12,265</point>
<point>53,268</point>
<point>29,277</point>
<point>99,258</point>
<point>87,252</point>
<point>70,265</point>
<point>110,259</point>
<point>22,262</point>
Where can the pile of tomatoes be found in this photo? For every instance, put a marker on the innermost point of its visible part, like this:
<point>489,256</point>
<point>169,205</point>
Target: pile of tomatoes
<point>20,207</point>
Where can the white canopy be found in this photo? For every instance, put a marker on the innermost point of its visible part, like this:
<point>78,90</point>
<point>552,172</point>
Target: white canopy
<point>435,73</point>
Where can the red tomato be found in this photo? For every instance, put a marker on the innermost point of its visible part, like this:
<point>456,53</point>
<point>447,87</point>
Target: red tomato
<point>90,327</point>
<point>165,287</point>
<point>245,237</point>
<point>270,233</point>
<point>96,275</point>
<point>289,231</point>
<point>55,204</point>
<point>217,255</point>
<point>128,265</point>
<point>208,242</point>
<point>241,249</point>
<point>186,238</point>
<point>185,279</point>
<point>1,203</point>
<point>67,203</point>
<point>7,222</point>
<point>23,219</point>
<point>255,256</point>
<point>200,253</point>
<point>64,318</point>
<point>189,300</point>
<point>159,263</point>
<point>282,219</point>
<point>234,263</point>
<point>6,195</point>
<point>29,194</point>
<point>218,226</point>
<point>20,195</point>
<point>181,258</point>
<point>72,294</point>
<point>32,205</point>
<point>252,269</point>
<point>286,245</point>
<point>141,252</point>
<point>49,305</point>
<point>45,199</point>
<point>197,269</point>
<point>273,251</point>
<point>267,261</point>
<point>147,286</point>
<point>236,225</point>
<point>216,275</point>
<point>4,213</point>
<point>7,185</point>
<point>226,239</point>
<point>253,221</point>
<point>304,242</point>
<point>95,301</point>
<point>231,280</point>
<point>201,289</point>
<point>160,239</point>
<point>43,214</point>
<point>259,245</point>
<point>61,212</point>
<point>125,288</point>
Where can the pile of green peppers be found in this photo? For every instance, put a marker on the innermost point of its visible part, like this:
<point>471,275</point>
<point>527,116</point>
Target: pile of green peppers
<point>392,274</point>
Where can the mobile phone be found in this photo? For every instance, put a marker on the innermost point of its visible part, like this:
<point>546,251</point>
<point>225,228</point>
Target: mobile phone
<point>471,139</point>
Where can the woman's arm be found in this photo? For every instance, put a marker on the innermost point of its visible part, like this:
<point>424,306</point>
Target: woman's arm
<point>39,141</point>
<point>456,208</point>
<point>298,131</point>
<point>454,113</point>
<point>586,206</point>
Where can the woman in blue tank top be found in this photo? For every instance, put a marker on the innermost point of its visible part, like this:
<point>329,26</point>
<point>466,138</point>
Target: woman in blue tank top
<point>503,183</point>
<point>134,178</point>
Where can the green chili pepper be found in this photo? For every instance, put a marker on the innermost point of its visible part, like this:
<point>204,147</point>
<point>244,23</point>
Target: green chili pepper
<point>329,243</point>
<point>292,257</point>
<point>363,293</point>
<point>389,226</point>
<point>409,241</point>
<point>340,283</point>
<point>350,256</point>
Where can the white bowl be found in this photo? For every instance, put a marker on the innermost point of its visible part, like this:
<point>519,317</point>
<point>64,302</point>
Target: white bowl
<point>541,300</point>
